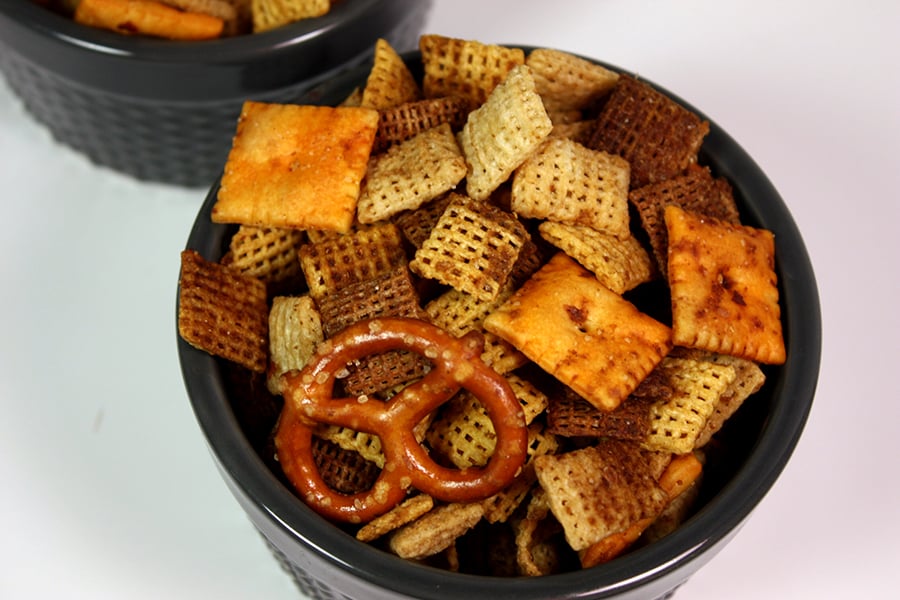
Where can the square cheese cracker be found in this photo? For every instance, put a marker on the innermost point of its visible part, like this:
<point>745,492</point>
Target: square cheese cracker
<point>578,330</point>
<point>296,166</point>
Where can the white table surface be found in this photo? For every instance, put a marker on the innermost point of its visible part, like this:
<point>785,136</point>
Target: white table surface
<point>106,487</point>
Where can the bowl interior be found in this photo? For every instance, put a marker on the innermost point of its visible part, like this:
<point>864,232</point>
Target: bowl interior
<point>755,444</point>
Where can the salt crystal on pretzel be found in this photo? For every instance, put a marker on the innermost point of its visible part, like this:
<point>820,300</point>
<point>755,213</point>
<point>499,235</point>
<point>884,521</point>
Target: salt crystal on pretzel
<point>295,330</point>
<point>467,68</point>
<point>390,82</point>
<point>223,312</point>
<point>503,132</point>
<point>410,174</point>
<point>724,287</point>
<point>656,135</point>
<point>576,329</point>
<point>620,264</point>
<point>296,166</point>
<point>564,181</point>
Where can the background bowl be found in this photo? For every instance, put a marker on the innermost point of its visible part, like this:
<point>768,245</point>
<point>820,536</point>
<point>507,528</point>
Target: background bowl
<point>327,563</point>
<point>165,111</point>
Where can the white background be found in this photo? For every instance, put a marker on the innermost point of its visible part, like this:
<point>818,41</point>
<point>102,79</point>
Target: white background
<point>106,487</point>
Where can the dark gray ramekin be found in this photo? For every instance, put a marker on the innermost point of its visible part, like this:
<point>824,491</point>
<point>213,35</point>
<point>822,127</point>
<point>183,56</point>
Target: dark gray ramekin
<point>329,564</point>
<point>164,111</point>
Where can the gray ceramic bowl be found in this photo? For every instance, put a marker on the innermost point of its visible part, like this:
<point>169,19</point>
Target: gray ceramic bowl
<point>328,563</point>
<point>165,111</point>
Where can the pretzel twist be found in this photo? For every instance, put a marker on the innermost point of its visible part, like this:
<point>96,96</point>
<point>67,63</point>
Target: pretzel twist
<point>456,364</point>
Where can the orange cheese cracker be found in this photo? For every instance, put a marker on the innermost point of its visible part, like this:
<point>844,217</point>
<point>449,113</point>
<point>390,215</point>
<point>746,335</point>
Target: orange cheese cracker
<point>296,166</point>
<point>584,334</point>
<point>723,283</point>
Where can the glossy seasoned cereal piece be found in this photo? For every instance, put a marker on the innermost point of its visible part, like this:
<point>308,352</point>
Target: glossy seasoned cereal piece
<point>406,512</point>
<point>584,334</point>
<point>267,253</point>
<point>724,287</point>
<point>223,312</point>
<point>336,261</point>
<point>296,166</point>
<point>436,530</point>
<point>656,135</point>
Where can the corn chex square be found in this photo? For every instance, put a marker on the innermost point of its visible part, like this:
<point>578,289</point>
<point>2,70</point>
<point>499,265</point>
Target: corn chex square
<point>223,312</point>
<point>269,14</point>
<point>503,132</point>
<point>581,332</point>
<point>619,264</point>
<point>410,174</point>
<point>266,253</point>
<point>566,182</point>
<point>473,248</point>
<point>390,81</point>
<point>297,167</point>
<point>566,81</point>
<point>676,423</point>
<point>723,287</point>
<point>467,68</point>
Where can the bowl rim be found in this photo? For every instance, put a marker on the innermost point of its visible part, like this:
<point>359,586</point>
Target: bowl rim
<point>50,24</point>
<point>793,393</point>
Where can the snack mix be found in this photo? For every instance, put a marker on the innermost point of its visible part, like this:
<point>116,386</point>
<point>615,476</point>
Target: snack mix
<point>491,320</point>
<point>188,19</point>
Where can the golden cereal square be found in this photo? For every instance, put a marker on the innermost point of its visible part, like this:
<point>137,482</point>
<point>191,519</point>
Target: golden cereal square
<point>566,182</point>
<point>503,132</point>
<point>269,14</point>
<point>410,174</point>
<point>406,120</point>
<point>390,81</point>
<point>578,330</point>
<point>468,68</point>
<point>566,81</point>
<point>620,264</point>
<point>723,287</point>
<point>296,166</point>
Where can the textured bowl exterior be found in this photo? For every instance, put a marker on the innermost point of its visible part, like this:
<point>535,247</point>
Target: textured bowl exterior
<point>166,111</point>
<point>329,564</point>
